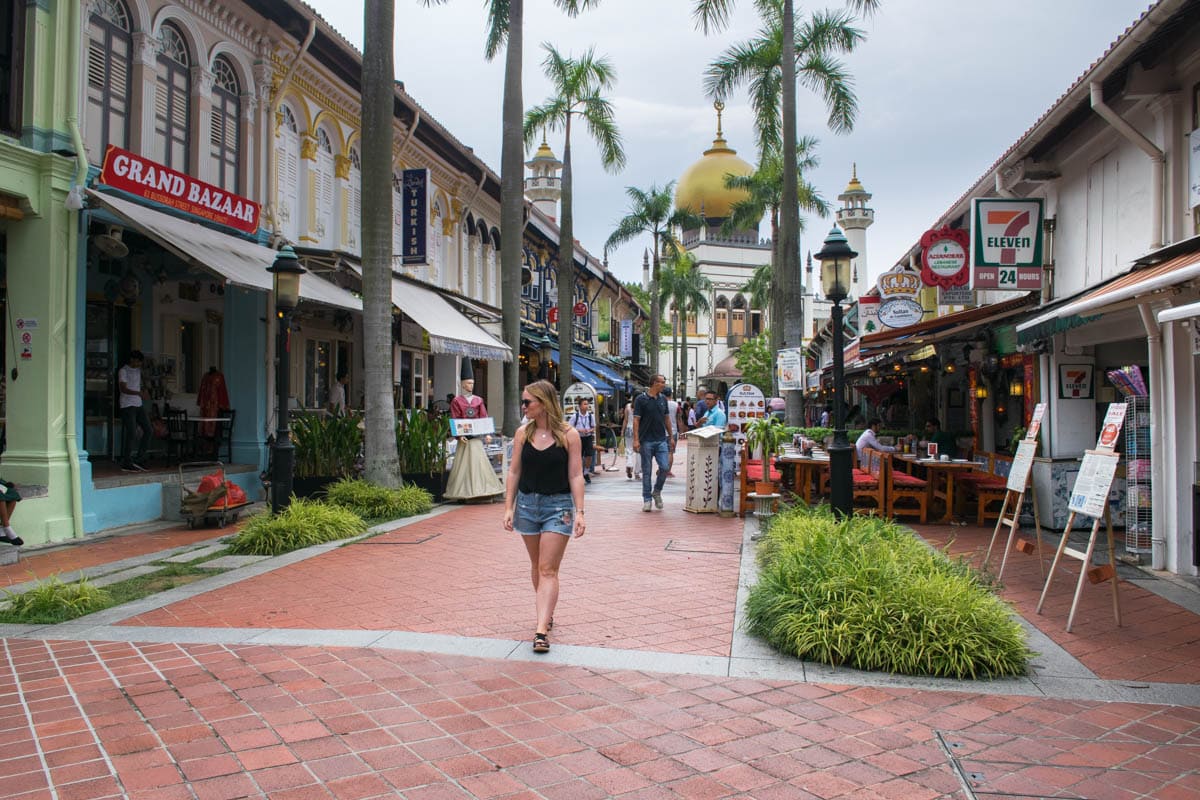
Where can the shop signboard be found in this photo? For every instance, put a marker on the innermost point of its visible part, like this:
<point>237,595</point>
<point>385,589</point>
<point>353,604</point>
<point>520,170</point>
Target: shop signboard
<point>626,349</point>
<point>1075,381</point>
<point>415,198</point>
<point>956,296</point>
<point>140,176</point>
<point>1035,421</point>
<point>898,293</point>
<point>1096,473</point>
<point>945,258</point>
<point>1006,243</point>
<point>789,369</point>
<point>868,314</point>
<point>1110,431</point>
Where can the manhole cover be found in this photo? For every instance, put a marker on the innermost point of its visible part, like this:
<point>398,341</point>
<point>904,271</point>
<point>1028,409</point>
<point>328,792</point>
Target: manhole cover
<point>390,540</point>
<point>713,548</point>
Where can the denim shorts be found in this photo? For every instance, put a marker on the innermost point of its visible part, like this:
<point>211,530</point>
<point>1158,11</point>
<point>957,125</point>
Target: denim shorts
<point>544,512</point>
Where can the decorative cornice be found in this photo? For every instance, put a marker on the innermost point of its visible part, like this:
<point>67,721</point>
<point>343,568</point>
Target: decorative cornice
<point>341,167</point>
<point>218,16</point>
<point>202,80</point>
<point>145,49</point>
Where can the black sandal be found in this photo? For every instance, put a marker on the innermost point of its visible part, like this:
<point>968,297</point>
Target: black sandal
<point>541,644</point>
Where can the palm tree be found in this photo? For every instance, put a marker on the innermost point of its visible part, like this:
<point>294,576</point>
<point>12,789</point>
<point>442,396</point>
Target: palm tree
<point>764,195</point>
<point>712,15</point>
<point>652,211</point>
<point>378,76</point>
<point>576,92</point>
<point>506,19</point>
<point>759,286</point>
<point>689,291</point>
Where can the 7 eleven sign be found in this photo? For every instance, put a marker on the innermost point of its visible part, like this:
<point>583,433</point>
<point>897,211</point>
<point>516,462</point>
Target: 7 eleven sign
<point>1006,243</point>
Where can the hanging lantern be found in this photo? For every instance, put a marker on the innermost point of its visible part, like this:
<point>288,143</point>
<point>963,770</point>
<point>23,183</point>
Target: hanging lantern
<point>981,392</point>
<point>1016,388</point>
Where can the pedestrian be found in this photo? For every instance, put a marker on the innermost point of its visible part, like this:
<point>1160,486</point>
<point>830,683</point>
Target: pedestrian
<point>337,395</point>
<point>633,461</point>
<point>825,412</point>
<point>133,412</point>
<point>584,422</point>
<point>651,432</point>
<point>715,415</point>
<point>543,499</point>
<point>673,430</point>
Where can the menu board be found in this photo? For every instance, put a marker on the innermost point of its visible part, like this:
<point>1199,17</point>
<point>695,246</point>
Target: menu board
<point>574,393</point>
<point>1022,464</point>
<point>1090,493</point>
<point>743,403</point>
<point>1111,429</point>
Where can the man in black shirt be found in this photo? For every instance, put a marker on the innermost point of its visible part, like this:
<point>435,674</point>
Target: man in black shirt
<point>651,439</point>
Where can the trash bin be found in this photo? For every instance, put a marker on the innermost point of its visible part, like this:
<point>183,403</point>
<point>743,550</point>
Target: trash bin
<point>703,466</point>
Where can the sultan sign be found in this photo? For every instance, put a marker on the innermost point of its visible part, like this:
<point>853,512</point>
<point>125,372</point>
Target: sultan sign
<point>1006,243</point>
<point>132,173</point>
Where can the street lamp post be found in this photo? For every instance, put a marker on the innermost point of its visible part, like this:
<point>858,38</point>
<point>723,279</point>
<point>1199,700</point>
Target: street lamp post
<point>287,272</point>
<point>835,257</point>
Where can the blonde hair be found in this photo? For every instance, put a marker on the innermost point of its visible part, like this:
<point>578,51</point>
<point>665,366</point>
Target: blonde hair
<point>545,393</point>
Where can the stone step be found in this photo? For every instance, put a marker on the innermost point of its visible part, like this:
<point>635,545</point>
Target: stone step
<point>231,562</point>
<point>192,555</point>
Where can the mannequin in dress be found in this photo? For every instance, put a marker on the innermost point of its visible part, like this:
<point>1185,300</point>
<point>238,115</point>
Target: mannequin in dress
<point>472,476</point>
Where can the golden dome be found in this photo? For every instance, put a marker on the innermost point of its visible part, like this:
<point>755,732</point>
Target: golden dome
<point>702,189</point>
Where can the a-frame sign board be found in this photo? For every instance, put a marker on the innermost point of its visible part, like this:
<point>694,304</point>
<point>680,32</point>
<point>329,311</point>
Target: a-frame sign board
<point>1014,497</point>
<point>1089,497</point>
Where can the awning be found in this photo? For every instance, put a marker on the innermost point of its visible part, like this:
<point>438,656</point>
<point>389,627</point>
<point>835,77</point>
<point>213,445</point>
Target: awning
<point>939,328</point>
<point>1179,312</point>
<point>726,368</point>
<point>580,372</point>
<point>603,370</point>
<point>449,331</point>
<point>239,261</point>
<point>1136,283</point>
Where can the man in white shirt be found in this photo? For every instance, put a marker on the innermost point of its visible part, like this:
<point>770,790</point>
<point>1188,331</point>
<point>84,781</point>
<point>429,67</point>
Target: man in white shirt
<point>584,421</point>
<point>868,441</point>
<point>133,412</point>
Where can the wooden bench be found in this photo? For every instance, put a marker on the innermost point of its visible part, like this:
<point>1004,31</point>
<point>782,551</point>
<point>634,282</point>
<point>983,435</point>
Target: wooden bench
<point>987,485</point>
<point>870,484</point>
<point>912,491</point>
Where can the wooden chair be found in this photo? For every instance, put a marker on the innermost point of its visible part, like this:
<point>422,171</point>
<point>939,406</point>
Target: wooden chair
<point>870,484</point>
<point>987,485</point>
<point>178,435</point>
<point>913,491</point>
<point>225,434</point>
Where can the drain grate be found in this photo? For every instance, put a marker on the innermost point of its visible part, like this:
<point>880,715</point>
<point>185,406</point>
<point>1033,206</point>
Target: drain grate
<point>678,546</point>
<point>421,540</point>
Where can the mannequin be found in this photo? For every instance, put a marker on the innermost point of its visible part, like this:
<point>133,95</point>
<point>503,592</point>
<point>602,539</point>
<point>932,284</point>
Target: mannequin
<point>472,476</point>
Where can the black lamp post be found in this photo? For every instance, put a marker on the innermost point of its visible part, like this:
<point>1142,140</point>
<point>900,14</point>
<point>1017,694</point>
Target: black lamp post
<point>287,272</point>
<point>835,257</point>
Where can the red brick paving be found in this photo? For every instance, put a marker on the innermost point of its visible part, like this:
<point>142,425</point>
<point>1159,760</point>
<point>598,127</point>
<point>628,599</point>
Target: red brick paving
<point>201,721</point>
<point>620,586</point>
<point>1158,640</point>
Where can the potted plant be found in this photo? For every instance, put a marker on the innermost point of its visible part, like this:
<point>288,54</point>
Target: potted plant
<point>326,450</point>
<point>421,445</point>
<point>765,436</point>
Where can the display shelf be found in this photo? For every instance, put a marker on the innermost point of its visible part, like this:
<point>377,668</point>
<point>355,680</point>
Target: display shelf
<point>1138,508</point>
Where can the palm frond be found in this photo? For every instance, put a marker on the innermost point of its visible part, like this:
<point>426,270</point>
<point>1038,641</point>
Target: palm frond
<point>497,32</point>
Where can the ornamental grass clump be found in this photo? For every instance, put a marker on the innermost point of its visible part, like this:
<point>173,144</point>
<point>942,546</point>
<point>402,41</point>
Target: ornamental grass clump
<point>302,523</point>
<point>53,601</point>
<point>378,502</point>
<point>866,593</point>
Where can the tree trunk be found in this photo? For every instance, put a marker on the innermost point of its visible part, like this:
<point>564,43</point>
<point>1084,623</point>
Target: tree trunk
<point>566,271</point>
<point>512,212</point>
<point>378,76</point>
<point>788,274</point>
<point>655,312</point>
<point>683,361</point>
<point>675,323</point>
<point>776,302</point>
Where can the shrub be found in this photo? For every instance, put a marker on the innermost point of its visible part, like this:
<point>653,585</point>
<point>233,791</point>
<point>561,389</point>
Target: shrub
<point>326,444</point>
<point>53,601</point>
<point>302,524</point>
<point>378,502</point>
<point>865,593</point>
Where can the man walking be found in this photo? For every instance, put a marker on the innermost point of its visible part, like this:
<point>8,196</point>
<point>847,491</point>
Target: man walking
<point>585,422</point>
<point>651,439</point>
<point>133,413</point>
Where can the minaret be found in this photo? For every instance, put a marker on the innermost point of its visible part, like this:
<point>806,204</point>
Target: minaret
<point>855,217</point>
<point>544,187</point>
<point>646,270</point>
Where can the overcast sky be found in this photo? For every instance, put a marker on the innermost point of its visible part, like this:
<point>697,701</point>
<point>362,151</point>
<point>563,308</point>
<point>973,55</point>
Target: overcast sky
<point>944,88</point>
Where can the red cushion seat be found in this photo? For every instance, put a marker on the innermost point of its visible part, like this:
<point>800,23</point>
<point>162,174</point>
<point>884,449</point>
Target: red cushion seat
<point>864,481</point>
<point>908,481</point>
<point>754,472</point>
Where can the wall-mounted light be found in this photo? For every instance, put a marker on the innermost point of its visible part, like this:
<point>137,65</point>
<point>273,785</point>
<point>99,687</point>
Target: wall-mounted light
<point>950,368</point>
<point>897,367</point>
<point>924,368</point>
<point>1016,388</point>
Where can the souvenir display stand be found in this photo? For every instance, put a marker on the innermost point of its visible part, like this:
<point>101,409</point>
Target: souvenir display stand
<point>703,468</point>
<point>1089,498</point>
<point>1019,484</point>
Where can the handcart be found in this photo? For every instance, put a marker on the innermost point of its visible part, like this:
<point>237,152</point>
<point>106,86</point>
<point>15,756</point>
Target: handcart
<point>206,507</point>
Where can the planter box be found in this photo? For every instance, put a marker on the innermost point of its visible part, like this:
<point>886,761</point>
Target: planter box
<point>312,486</point>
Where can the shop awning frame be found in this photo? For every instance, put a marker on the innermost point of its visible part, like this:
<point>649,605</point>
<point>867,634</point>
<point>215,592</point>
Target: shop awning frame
<point>937,329</point>
<point>239,261</point>
<point>608,373</point>
<point>450,332</point>
<point>580,372</point>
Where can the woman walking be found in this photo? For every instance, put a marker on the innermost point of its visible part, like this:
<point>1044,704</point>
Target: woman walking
<point>543,497</point>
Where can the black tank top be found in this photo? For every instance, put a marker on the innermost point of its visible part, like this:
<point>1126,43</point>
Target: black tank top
<point>543,471</point>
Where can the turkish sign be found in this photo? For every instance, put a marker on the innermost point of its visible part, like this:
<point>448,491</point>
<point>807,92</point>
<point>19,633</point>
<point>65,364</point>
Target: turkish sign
<point>415,199</point>
<point>1006,243</point>
<point>945,257</point>
<point>626,347</point>
<point>789,369</point>
<point>898,292</point>
<point>131,173</point>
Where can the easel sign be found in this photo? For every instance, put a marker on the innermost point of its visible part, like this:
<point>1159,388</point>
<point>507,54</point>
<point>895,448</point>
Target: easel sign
<point>1014,497</point>
<point>1089,497</point>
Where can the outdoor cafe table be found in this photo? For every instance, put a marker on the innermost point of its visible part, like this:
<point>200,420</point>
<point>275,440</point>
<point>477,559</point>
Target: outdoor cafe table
<point>195,438</point>
<point>806,471</point>
<point>936,470</point>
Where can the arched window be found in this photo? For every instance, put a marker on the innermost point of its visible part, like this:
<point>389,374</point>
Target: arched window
<point>110,63</point>
<point>721,318</point>
<point>225,135</point>
<point>172,108</point>
<point>354,203</point>
<point>321,222</point>
<point>287,174</point>
<point>737,325</point>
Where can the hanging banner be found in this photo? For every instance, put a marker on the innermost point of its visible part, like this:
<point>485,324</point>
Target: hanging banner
<point>1006,243</point>
<point>789,369</point>
<point>626,348</point>
<point>139,176</point>
<point>415,199</point>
